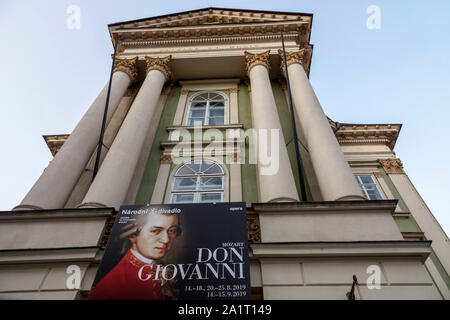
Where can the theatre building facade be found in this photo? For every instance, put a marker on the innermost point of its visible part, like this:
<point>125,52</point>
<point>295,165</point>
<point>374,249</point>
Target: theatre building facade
<point>199,112</point>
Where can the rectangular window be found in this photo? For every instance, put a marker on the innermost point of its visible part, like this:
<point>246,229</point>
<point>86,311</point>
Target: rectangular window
<point>183,198</point>
<point>368,187</point>
<point>210,197</point>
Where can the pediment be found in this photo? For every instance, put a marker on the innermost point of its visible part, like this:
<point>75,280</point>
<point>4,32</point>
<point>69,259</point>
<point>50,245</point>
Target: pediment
<point>211,16</point>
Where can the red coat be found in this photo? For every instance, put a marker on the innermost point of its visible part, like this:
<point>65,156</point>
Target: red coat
<point>123,283</point>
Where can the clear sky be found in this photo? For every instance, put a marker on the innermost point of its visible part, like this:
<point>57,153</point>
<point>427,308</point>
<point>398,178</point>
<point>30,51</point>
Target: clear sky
<point>400,73</point>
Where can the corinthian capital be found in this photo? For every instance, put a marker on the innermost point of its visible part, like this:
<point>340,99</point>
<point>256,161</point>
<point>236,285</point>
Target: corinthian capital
<point>300,57</point>
<point>161,64</point>
<point>392,165</point>
<point>253,59</point>
<point>129,66</point>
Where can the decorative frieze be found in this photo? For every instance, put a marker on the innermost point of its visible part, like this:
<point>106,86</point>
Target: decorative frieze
<point>366,134</point>
<point>166,159</point>
<point>253,227</point>
<point>108,229</point>
<point>253,59</point>
<point>392,166</point>
<point>55,142</point>
<point>129,66</point>
<point>161,64</point>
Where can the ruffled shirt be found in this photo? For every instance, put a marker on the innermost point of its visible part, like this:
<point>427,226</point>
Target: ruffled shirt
<point>123,282</point>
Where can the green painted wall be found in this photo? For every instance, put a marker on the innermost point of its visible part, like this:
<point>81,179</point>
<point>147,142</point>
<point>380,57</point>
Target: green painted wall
<point>248,171</point>
<point>410,225</point>
<point>145,191</point>
<point>288,134</point>
<point>437,263</point>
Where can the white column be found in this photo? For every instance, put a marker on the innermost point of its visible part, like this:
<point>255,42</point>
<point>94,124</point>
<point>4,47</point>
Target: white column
<point>234,111</point>
<point>279,185</point>
<point>334,175</point>
<point>234,159</point>
<point>110,186</point>
<point>161,180</point>
<point>56,183</point>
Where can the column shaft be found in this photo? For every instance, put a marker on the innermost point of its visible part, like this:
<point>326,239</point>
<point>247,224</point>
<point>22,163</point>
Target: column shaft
<point>113,179</point>
<point>54,186</point>
<point>280,185</point>
<point>334,175</point>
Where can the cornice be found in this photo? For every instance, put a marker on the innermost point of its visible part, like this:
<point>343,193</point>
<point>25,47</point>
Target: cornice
<point>55,142</point>
<point>211,16</point>
<point>325,206</point>
<point>206,40</point>
<point>223,32</point>
<point>366,133</point>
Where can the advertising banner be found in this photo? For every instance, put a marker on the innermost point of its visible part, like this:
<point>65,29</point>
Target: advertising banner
<point>176,252</point>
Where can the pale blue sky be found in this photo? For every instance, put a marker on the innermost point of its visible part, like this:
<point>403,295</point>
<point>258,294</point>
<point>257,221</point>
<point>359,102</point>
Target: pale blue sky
<point>398,74</point>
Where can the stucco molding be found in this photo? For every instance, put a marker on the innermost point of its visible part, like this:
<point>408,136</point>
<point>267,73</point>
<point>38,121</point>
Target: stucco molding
<point>161,64</point>
<point>129,66</point>
<point>166,159</point>
<point>301,56</point>
<point>209,40</point>
<point>254,59</point>
<point>392,165</point>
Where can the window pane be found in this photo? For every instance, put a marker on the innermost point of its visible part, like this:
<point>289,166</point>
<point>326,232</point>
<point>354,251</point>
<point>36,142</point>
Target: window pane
<point>366,179</point>
<point>196,121</point>
<point>195,166</point>
<point>213,169</point>
<point>374,194</point>
<point>215,96</point>
<point>217,104</point>
<point>185,170</point>
<point>205,164</point>
<point>210,197</point>
<point>183,198</point>
<point>211,183</point>
<point>201,97</point>
<point>198,105</point>
<point>215,121</point>
<point>200,113</point>
<point>363,191</point>
<point>182,184</point>
<point>216,112</point>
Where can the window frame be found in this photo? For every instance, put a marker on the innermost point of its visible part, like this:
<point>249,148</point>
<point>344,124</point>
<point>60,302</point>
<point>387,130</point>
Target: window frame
<point>198,191</point>
<point>362,185</point>
<point>206,116</point>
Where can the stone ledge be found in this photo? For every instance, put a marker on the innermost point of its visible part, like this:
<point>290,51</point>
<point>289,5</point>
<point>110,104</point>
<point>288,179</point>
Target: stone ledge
<point>298,207</point>
<point>413,249</point>
<point>60,229</point>
<point>48,255</point>
<point>56,213</point>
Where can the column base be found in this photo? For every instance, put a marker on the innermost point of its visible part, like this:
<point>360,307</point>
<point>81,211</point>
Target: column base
<point>355,197</point>
<point>23,207</point>
<point>92,205</point>
<point>282,199</point>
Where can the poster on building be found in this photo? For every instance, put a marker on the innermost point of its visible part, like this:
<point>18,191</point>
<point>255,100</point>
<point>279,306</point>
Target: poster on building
<point>176,252</point>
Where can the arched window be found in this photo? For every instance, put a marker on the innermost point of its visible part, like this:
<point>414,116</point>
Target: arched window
<point>207,109</point>
<point>198,181</point>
